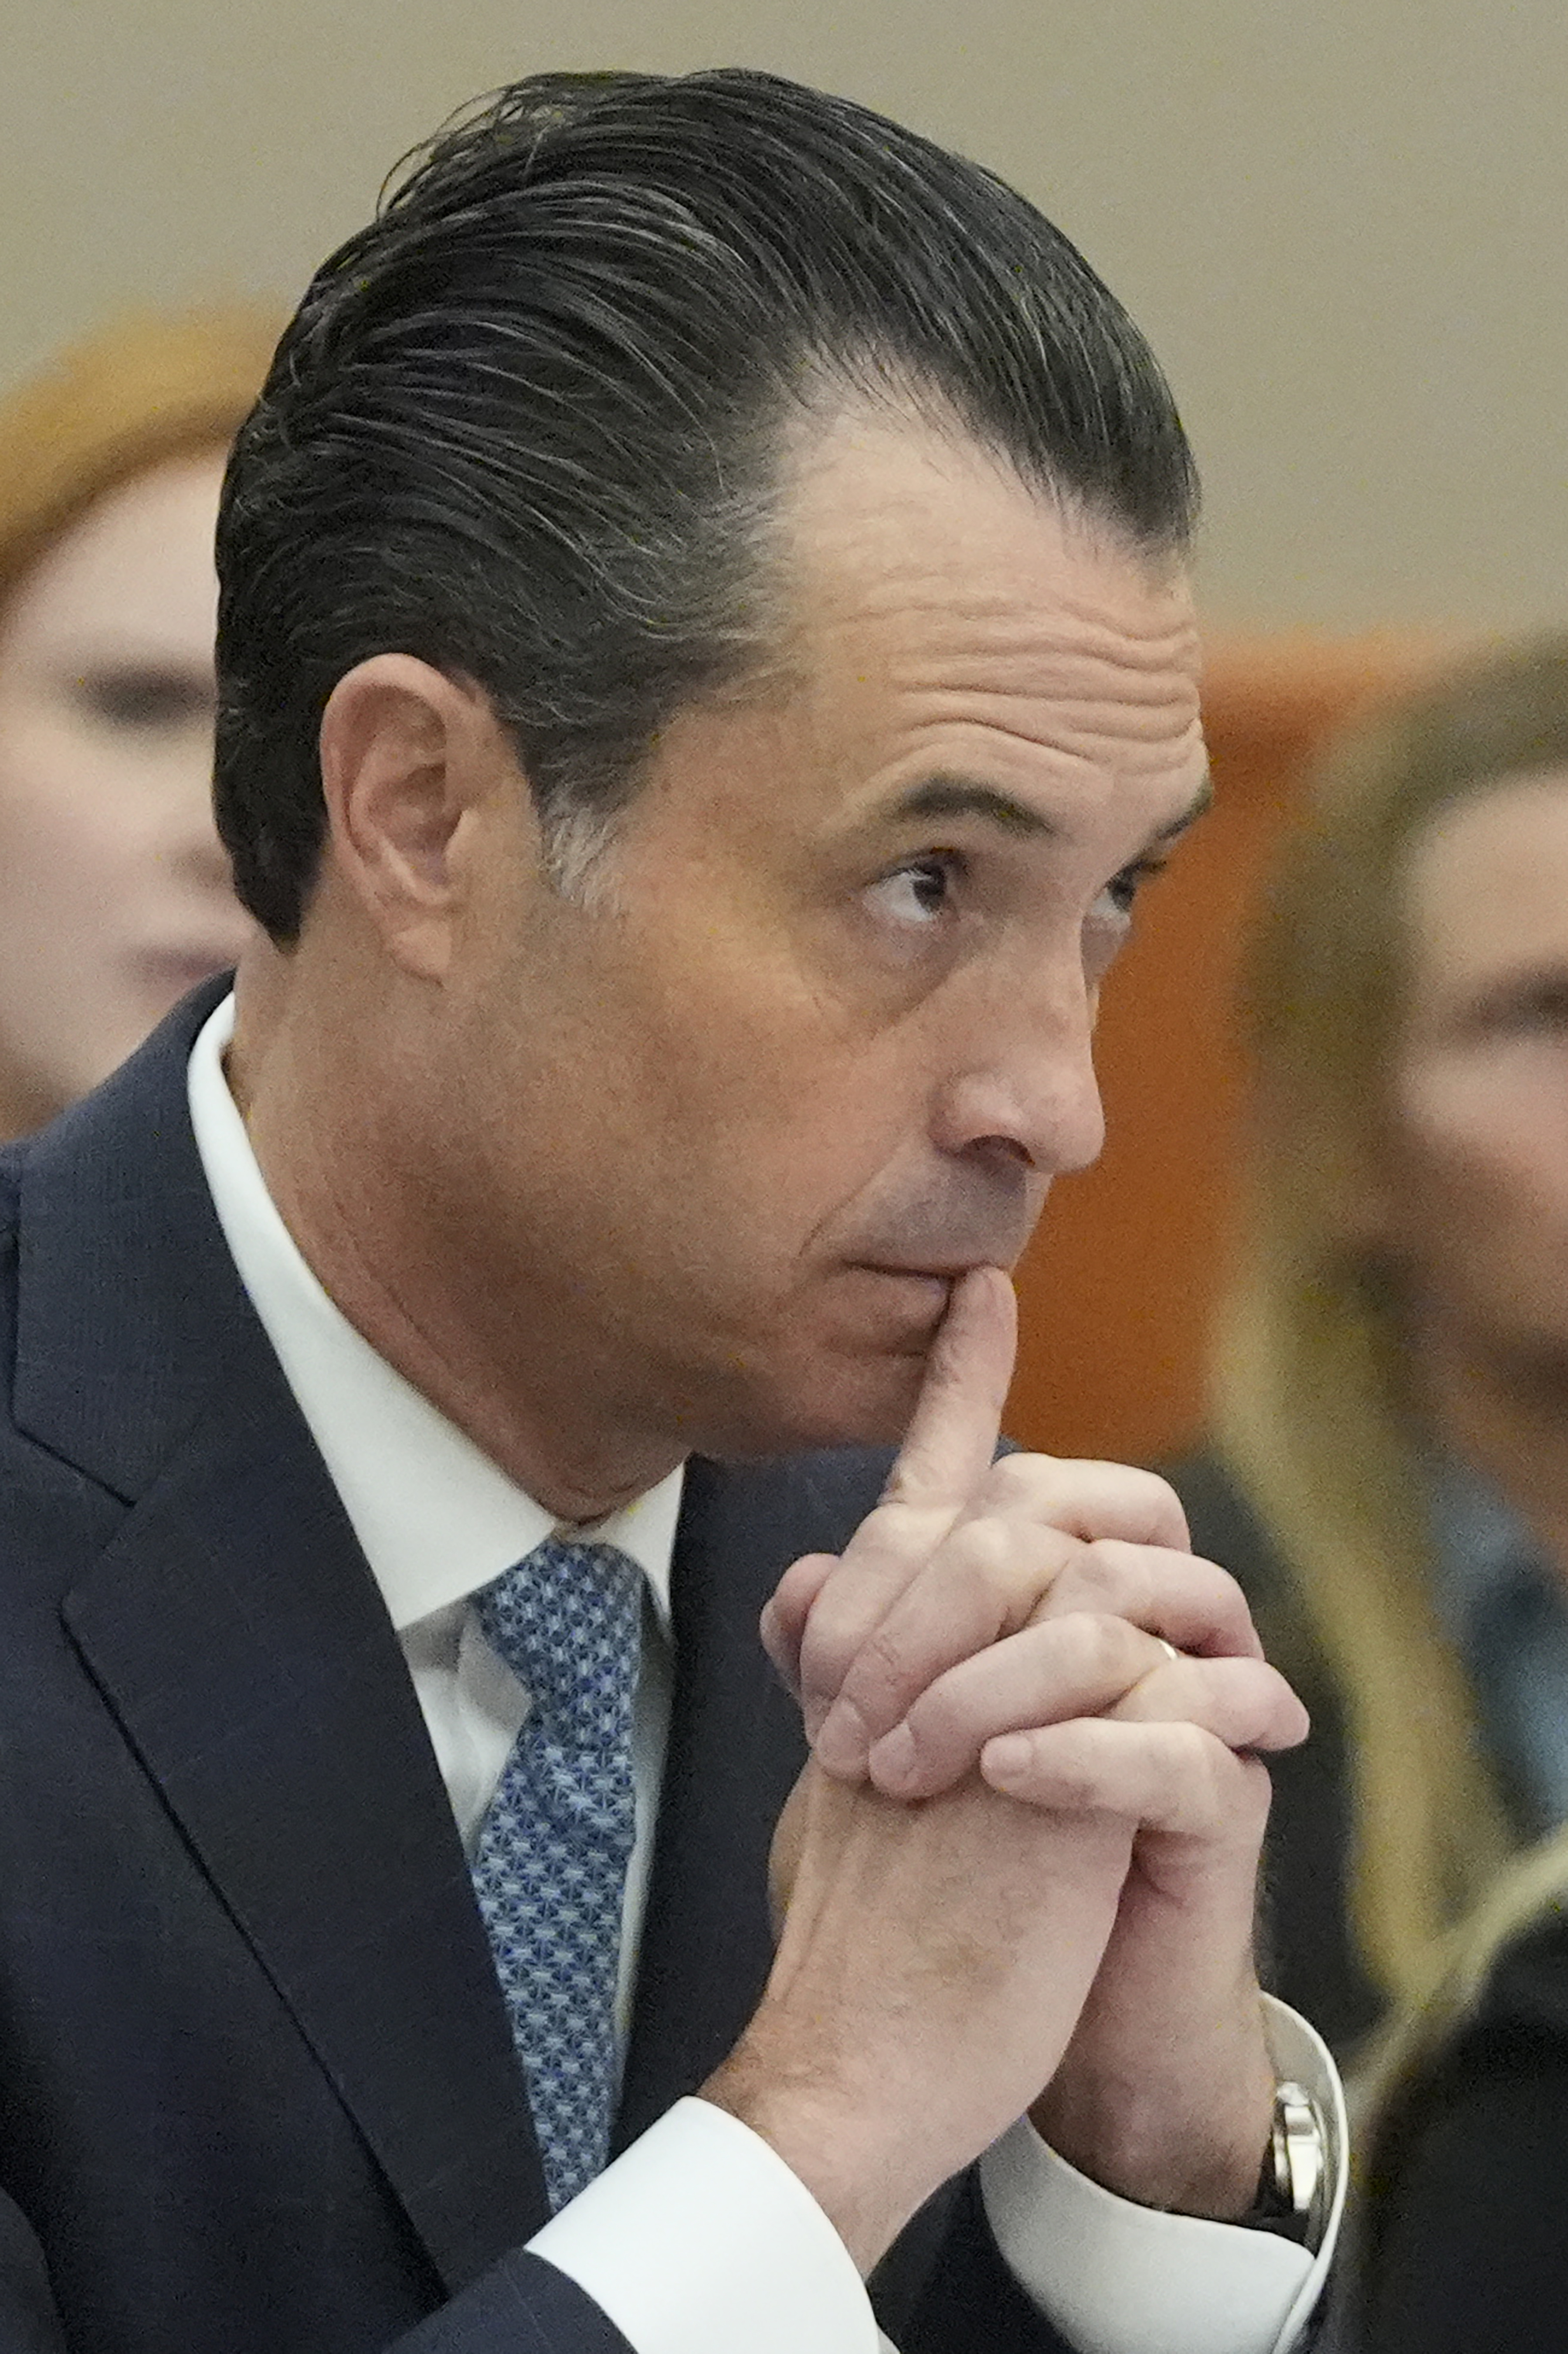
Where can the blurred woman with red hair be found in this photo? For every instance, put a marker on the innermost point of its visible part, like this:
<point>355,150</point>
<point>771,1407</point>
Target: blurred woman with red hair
<point>114,893</point>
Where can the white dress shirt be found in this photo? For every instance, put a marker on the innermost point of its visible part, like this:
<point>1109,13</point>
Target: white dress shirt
<point>699,2239</point>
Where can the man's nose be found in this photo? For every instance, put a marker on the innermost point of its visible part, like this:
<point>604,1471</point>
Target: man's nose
<point>1031,1095</point>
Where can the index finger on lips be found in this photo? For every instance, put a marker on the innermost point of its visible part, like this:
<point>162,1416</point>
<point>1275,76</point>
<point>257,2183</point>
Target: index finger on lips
<point>946,1452</point>
<point>957,1421</point>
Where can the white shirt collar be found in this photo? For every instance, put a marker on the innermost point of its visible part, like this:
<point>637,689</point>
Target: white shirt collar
<point>436,1518</point>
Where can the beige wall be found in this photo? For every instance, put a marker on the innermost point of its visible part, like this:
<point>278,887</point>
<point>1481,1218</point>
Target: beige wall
<point>1343,221</point>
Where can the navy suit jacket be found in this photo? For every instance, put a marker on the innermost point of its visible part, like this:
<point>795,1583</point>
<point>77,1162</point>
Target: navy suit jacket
<point>257,2087</point>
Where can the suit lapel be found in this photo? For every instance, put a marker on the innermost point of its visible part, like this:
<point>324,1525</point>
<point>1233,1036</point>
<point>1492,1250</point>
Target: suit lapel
<point>234,1629</point>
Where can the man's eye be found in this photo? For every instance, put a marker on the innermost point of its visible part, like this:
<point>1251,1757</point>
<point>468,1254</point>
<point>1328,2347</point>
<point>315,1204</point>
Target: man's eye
<point>919,892</point>
<point>1123,888</point>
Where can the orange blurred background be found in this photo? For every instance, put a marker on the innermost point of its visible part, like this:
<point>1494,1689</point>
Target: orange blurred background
<point>1115,1291</point>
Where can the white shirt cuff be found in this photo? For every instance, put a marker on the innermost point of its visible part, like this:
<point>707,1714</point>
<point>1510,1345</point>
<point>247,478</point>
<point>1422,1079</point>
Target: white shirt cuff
<point>1115,2278</point>
<point>699,2240</point>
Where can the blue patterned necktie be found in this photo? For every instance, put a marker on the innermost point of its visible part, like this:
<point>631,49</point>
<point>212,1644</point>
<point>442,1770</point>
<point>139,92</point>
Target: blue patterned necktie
<point>549,1870</point>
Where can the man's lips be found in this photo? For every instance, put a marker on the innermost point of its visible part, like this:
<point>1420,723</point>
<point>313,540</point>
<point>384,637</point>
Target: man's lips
<point>908,1300</point>
<point>926,1288</point>
<point>912,1274</point>
<point>934,1269</point>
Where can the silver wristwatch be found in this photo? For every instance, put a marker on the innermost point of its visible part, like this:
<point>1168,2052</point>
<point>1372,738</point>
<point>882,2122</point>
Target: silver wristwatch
<point>1293,2194</point>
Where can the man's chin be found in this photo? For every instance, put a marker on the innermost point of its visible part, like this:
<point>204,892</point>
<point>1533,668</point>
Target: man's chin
<point>838,1400</point>
<point>838,1365</point>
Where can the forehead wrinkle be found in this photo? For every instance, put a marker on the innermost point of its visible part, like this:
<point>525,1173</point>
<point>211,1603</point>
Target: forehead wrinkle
<point>1159,625</point>
<point>1147,633</point>
<point>1144,639</point>
<point>1054,784</point>
<point>1094,676</point>
<point>1158,734</point>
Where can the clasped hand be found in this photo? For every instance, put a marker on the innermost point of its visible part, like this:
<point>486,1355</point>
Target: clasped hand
<point>1021,1869</point>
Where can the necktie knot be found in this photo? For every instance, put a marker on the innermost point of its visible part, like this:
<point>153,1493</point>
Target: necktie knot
<point>566,1620</point>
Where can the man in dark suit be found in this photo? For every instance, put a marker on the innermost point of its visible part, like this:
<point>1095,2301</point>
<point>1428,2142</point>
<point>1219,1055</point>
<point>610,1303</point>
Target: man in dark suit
<point>705,664</point>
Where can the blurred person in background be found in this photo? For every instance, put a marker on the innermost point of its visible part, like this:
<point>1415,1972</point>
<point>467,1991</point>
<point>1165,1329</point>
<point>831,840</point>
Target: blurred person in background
<point>1462,2237</point>
<point>1388,1470</point>
<point>114,892</point>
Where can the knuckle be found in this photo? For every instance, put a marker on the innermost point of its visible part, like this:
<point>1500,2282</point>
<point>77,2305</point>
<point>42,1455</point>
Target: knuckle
<point>983,1548</point>
<point>889,1528</point>
<point>1106,1556</point>
<point>830,1619</point>
<point>1159,1502</point>
<point>937,1721</point>
<point>1278,1711</point>
<point>1193,1752</point>
<point>1096,1643</point>
<point>1255,1687</point>
<point>876,1676</point>
<point>1225,1589</point>
<point>1278,1688</point>
<point>1254,1794</point>
<point>1112,1567</point>
<point>827,1646</point>
<point>799,1589</point>
<point>1018,1479</point>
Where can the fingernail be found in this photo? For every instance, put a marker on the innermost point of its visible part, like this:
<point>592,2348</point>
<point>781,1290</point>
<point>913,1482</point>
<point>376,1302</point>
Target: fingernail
<point>1007,1757</point>
<point>894,1759</point>
<point>842,1740</point>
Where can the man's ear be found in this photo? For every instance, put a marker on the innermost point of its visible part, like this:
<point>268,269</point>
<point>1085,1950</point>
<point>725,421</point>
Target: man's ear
<point>410,758</point>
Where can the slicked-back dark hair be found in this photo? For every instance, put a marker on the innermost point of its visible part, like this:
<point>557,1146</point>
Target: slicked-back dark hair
<point>527,424</point>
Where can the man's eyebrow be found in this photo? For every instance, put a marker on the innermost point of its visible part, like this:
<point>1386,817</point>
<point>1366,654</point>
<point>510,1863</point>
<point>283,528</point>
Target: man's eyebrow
<point>965,797</point>
<point>947,796</point>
